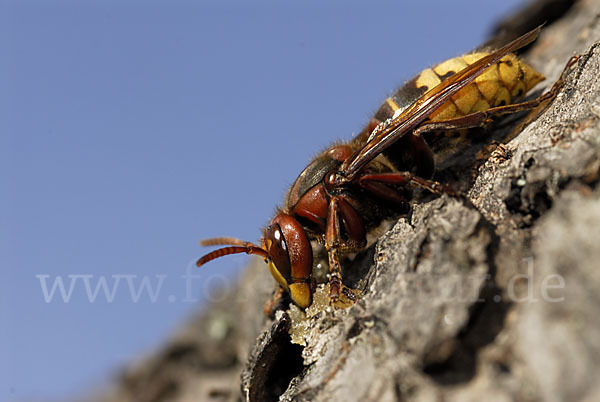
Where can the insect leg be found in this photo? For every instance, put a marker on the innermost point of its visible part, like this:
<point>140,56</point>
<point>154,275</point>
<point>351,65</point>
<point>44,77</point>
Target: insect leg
<point>406,178</point>
<point>480,119</point>
<point>270,305</point>
<point>384,192</point>
<point>339,295</point>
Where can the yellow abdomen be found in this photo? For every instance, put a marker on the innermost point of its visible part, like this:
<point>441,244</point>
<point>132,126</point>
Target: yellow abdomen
<point>502,84</point>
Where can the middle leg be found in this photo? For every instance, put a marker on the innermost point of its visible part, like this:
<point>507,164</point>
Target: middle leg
<point>341,211</point>
<point>403,178</point>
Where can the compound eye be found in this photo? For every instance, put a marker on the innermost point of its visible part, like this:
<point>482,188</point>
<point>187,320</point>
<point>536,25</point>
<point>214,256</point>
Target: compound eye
<point>278,251</point>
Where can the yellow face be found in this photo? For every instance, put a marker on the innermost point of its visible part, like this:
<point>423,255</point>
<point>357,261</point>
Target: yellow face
<point>301,294</point>
<point>289,257</point>
<point>277,275</point>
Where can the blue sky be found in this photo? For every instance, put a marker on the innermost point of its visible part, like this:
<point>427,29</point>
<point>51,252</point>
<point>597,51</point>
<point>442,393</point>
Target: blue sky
<point>129,130</point>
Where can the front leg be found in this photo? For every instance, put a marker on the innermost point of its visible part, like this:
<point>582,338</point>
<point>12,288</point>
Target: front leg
<point>271,304</point>
<point>341,211</point>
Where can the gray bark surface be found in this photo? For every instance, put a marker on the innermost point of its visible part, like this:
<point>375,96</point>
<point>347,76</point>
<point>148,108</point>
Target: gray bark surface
<point>462,300</point>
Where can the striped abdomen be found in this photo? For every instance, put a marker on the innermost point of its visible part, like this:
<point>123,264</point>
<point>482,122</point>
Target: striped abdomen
<point>502,84</point>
